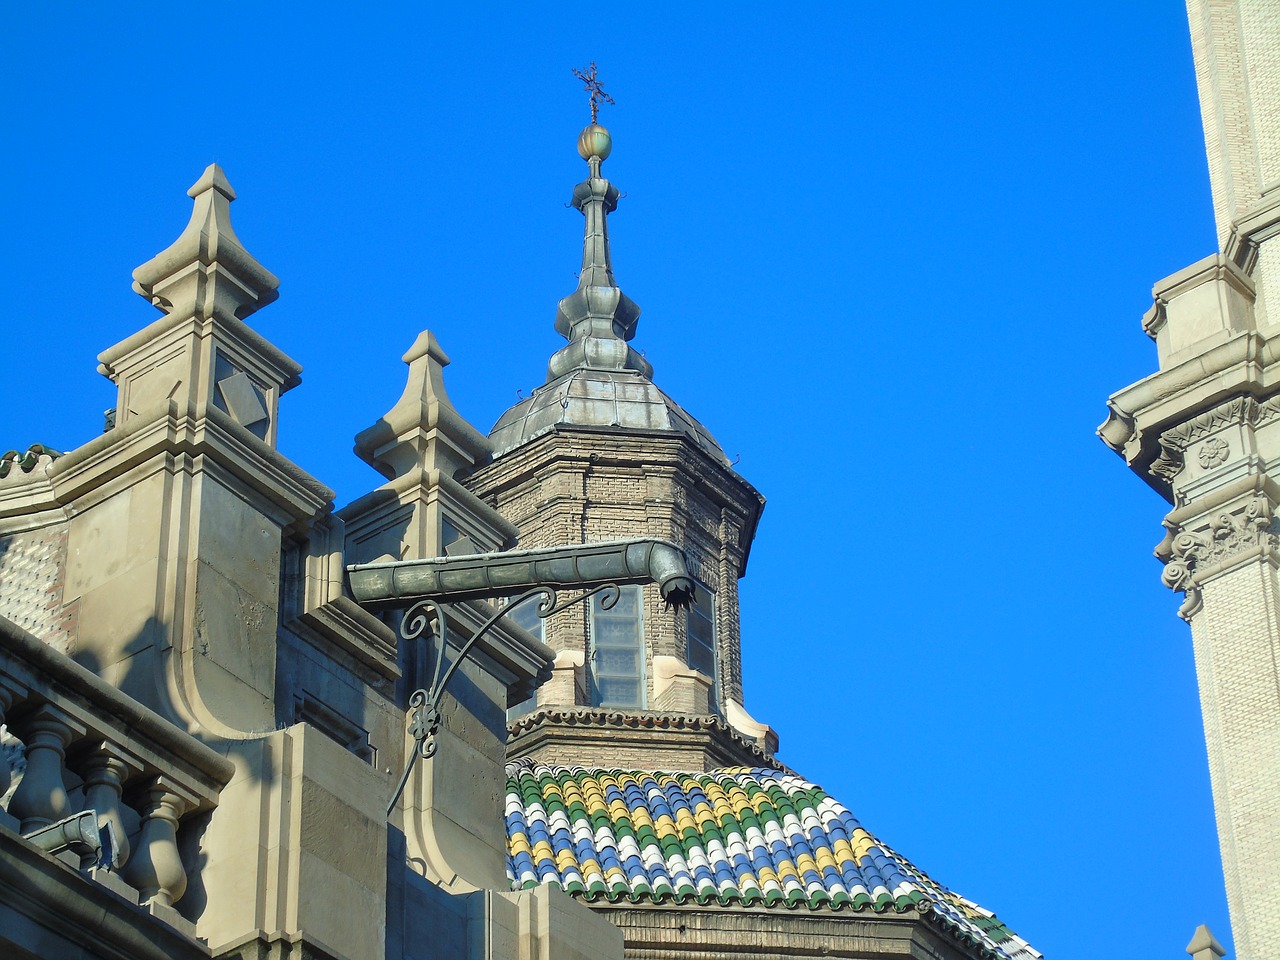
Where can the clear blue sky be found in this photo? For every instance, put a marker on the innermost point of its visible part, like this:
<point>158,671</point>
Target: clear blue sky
<point>894,256</point>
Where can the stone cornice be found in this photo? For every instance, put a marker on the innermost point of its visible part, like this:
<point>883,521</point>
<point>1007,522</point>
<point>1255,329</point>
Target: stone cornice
<point>1215,267</point>
<point>170,330</point>
<point>728,746</point>
<point>367,510</point>
<point>295,494</point>
<point>1248,365</point>
<point>1260,223</point>
<point>728,930</point>
<point>343,624</point>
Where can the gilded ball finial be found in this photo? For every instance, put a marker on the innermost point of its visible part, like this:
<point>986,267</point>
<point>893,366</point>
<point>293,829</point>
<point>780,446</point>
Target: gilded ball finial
<point>594,141</point>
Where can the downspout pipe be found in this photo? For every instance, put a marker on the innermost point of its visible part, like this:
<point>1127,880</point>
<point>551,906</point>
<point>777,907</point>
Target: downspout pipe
<point>489,575</point>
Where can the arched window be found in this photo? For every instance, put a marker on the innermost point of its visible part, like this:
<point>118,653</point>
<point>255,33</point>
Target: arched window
<point>617,651</point>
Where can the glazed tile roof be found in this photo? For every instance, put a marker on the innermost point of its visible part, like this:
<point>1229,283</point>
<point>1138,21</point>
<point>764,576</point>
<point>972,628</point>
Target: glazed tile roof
<point>26,460</point>
<point>750,836</point>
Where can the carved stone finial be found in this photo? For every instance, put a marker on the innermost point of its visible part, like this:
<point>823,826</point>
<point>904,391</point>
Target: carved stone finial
<point>207,271</point>
<point>1204,945</point>
<point>423,429</point>
<point>202,354</point>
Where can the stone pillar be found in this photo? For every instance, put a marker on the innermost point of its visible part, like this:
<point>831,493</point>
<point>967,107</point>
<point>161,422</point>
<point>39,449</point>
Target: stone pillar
<point>8,694</point>
<point>179,513</point>
<point>41,797</point>
<point>1228,562</point>
<point>1203,432</point>
<point>155,870</point>
<point>104,768</point>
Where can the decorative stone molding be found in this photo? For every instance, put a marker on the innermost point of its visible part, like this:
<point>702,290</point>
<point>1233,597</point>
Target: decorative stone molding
<point>1218,541</point>
<point>201,354</point>
<point>28,460</point>
<point>1246,365</point>
<point>1257,224</point>
<point>1204,945</point>
<point>1214,452</point>
<point>1238,411</point>
<point>1175,441</point>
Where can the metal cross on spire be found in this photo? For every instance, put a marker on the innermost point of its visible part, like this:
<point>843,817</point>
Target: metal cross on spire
<point>592,86</point>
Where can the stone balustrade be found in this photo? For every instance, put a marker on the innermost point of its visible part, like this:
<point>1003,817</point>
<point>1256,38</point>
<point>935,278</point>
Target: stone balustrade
<point>91,747</point>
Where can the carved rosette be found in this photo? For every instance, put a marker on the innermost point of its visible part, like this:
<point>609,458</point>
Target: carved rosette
<point>1214,452</point>
<point>1215,543</point>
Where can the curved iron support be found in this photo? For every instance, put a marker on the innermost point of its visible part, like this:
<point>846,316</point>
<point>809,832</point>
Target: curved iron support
<point>424,703</point>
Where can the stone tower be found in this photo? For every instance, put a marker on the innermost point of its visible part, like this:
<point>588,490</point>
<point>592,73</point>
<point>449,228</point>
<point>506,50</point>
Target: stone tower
<point>1204,431</point>
<point>597,453</point>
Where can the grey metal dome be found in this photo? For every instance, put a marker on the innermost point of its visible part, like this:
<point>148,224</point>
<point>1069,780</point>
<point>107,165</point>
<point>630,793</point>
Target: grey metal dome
<point>588,397</point>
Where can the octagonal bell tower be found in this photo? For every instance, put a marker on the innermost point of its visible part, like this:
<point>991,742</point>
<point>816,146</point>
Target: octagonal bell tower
<point>599,452</point>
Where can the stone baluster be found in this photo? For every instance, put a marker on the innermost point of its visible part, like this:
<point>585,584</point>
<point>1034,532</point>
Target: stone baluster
<point>155,870</point>
<point>105,767</point>
<point>9,694</point>
<point>41,797</point>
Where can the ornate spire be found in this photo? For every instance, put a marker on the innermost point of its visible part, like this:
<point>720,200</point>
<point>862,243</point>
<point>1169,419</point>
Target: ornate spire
<point>598,318</point>
<point>207,271</point>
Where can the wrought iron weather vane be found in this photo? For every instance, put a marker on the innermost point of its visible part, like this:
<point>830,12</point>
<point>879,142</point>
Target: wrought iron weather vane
<point>591,84</point>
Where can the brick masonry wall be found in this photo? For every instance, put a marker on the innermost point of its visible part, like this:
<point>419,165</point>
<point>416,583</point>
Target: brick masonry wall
<point>573,486</point>
<point>33,567</point>
<point>1237,55</point>
<point>1237,640</point>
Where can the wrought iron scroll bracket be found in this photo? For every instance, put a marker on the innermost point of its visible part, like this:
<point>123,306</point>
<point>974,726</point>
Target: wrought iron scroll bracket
<point>423,721</point>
